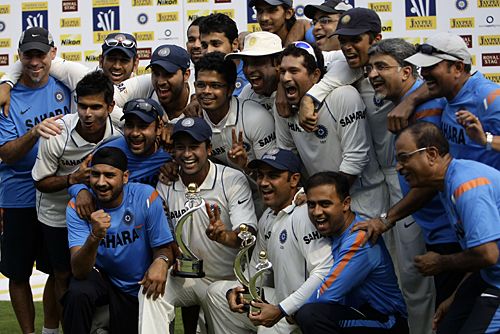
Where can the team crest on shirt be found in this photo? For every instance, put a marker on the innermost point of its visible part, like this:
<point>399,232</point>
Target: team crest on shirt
<point>128,217</point>
<point>238,84</point>
<point>283,236</point>
<point>378,102</point>
<point>321,132</point>
<point>59,96</point>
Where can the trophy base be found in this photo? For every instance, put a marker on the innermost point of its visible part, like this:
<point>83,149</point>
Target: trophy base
<point>189,268</point>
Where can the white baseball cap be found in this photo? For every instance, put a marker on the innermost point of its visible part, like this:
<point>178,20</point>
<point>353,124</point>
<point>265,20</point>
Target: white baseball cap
<point>439,47</point>
<point>260,43</point>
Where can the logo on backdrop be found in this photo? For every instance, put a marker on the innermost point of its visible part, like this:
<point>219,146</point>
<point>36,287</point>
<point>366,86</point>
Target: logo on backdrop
<point>35,14</point>
<point>420,15</point>
<point>105,18</point>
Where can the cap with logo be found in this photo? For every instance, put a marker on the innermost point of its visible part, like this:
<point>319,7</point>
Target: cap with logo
<point>146,109</point>
<point>289,3</point>
<point>260,43</point>
<point>196,127</point>
<point>328,7</point>
<point>358,21</point>
<point>36,38</point>
<point>170,58</point>
<point>122,41</point>
<point>439,47</point>
<point>279,159</point>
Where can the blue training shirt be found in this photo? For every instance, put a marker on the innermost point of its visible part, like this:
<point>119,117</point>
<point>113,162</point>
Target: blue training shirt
<point>472,199</point>
<point>28,107</point>
<point>432,218</point>
<point>361,275</point>
<point>482,98</point>
<point>241,79</point>
<point>137,226</point>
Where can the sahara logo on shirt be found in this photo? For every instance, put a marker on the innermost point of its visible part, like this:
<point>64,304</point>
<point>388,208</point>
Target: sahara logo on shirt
<point>311,237</point>
<point>122,238</point>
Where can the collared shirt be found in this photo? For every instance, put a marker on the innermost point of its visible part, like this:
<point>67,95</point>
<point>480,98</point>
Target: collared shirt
<point>62,155</point>
<point>28,107</point>
<point>256,123</point>
<point>266,101</point>
<point>229,189</point>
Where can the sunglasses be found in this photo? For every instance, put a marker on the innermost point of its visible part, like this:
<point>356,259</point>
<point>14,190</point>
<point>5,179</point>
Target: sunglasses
<point>430,50</point>
<point>126,43</point>
<point>306,46</point>
<point>141,105</point>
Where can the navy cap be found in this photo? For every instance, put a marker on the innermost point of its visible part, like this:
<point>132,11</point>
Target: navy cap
<point>279,159</point>
<point>329,7</point>
<point>146,109</point>
<point>289,3</point>
<point>196,127</point>
<point>124,42</point>
<point>358,21</point>
<point>170,58</point>
<point>36,38</point>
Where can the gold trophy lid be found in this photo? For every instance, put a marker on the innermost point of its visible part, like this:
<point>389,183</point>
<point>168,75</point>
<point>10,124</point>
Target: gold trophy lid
<point>192,188</point>
<point>262,255</point>
<point>243,228</point>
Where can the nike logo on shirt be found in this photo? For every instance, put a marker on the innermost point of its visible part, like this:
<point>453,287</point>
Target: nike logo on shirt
<point>409,224</point>
<point>242,201</point>
<point>25,110</point>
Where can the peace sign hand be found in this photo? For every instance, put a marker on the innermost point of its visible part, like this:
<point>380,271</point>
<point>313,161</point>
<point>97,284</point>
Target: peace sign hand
<point>237,154</point>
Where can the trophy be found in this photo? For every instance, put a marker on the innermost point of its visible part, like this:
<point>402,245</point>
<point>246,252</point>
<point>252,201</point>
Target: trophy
<point>188,264</point>
<point>257,292</point>
<point>242,260</point>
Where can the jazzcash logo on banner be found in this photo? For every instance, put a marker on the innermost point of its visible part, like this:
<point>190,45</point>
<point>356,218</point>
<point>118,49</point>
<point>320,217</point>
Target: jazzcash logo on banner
<point>420,16</point>
<point>4,9</point>
<point>34,14</point>
<point>253,27</point>
<point>495,77</point>
<point>489,40</point>
<point>4,42</point>
<point>4,60</point>
<point>380,7</point>
<point>228,12</point>
<point>167,17</point>
<point>462,23</point>
<point>73,22</point>
<point>91,55</point>
<point>166,2</point>
<point>468,40</point>
<point>137,3</point>
<point>100,36</point>
<point>144,36</point>
<point>387,26</point>
<point>72,56</point>
<point>196,1</point>
<point>142,70</point>
<point>490,59</point>
<point>71,40</point>
<point>144,53</point>
<point>488,3</point>
<point>193,14</point>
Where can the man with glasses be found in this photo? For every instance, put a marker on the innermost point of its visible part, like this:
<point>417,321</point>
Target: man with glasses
<point>393,79</point>
<point>120,255</point>
<point>470,194</point>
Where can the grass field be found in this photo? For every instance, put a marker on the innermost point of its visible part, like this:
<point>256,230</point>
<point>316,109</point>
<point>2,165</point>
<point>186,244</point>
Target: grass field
<point>8,322</point>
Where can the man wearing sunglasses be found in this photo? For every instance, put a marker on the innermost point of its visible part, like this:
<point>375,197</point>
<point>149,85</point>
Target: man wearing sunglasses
<point>470,194</point>
<point>62,161</point>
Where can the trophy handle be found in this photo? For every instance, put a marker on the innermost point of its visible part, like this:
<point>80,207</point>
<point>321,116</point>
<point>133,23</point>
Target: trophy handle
<point>263,265</point>
<point>178,229</point>
<point>237,262</point>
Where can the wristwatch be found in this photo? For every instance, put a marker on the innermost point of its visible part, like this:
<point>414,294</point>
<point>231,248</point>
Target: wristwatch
<point>489,141</point>
<point>384,220</point>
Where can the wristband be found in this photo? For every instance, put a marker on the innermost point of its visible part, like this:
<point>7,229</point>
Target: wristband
<point>489,141</point>
<point>8,82</point>
<point>384,220</point>
<point>164,258</point>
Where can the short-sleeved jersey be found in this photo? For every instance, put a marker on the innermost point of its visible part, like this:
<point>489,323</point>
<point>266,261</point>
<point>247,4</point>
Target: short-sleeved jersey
<point>256,123</point>
<point>341,143</point>
<point>28,107</point>
<point>229,189</point>
<point>247,93</point>
<point>471,197</point>
<point>241,79</point>
<point>432,218</point>
<point>361,275</point>
<point>62,155</point>
<point>481,97</point>
<point>137,226</point>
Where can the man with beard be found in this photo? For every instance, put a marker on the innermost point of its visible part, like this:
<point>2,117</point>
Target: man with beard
<point>213,235</point>
<point>36,100</point>
<point>121,255</point>
<point>360,294</point>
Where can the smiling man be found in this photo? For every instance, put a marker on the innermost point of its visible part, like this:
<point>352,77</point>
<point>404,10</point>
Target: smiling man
<point>360,294</point>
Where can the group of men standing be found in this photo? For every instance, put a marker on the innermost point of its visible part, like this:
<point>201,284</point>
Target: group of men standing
<point>92,190</point>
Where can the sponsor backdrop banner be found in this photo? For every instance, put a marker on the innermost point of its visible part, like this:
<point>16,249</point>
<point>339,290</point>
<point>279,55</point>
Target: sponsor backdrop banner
<point>79,26</point>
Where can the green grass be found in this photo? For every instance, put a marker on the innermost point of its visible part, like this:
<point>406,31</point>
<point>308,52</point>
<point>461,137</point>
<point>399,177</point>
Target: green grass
<point>9,325</point>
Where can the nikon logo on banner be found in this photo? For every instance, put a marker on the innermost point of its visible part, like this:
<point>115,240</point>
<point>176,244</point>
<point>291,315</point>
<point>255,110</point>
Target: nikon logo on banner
<point>71,40</point>
<point>166,2</point>
<point>420,16</point>
<point>387,26</point>
<point>72,56</point>
<point>380,7</point>
<point>193,14</point>
<point>73,22</point>
<point>489,40</point>
<point>167,17</point>
<point>92,55</point>
<point>488,3</point>
<point>462,23</point>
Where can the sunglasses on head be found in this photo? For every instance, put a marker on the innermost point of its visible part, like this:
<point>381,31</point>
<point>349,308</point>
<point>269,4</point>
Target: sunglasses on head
<point>140,105</point>
<point>126,43</point>
<point>430,50</point>
<point>306,46</point>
